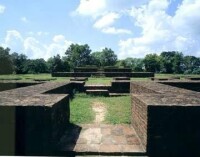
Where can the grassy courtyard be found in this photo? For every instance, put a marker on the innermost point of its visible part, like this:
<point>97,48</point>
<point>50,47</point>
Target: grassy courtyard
<point>118,109</point>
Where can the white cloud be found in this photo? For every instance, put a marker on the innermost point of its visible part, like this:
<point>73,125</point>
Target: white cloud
<point>2,9</point>
<point>24,19</point>
<point>113,30</point>
<point>162,32</point>
<point>105,24</point>
<point>59,38</point>
<point>33,47</point>
<point>106,20</point>
<point>92,8</point>
<point>95,8</point>
<point>105,13</point>
<point>13,40</point>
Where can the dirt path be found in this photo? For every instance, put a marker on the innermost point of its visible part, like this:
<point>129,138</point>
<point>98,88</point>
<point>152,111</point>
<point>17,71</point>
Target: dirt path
<point>100,111</point>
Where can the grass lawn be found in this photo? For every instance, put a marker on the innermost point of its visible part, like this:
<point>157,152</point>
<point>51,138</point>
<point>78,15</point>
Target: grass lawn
<point>178,75</point>
<point>81,109</point>
<point>118,109</point>
<point>91,80</point>
<point>101,80</point>
<point>31,77</point>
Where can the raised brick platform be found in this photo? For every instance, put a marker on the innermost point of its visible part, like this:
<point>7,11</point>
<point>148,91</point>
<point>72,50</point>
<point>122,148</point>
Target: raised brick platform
<point>31,122</point>
<point>166,119</point>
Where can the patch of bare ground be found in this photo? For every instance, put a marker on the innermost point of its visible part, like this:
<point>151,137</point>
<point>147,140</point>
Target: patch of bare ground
<point>100,111</point>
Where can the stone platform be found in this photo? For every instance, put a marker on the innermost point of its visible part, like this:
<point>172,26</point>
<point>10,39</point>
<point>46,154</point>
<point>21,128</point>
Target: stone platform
<point>101,139</point>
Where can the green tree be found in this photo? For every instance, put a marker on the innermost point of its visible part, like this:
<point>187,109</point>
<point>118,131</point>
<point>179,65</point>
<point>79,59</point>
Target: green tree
<point>6,64</point>
<point>56,64</point>
<point>35,66</point>
<point>136,64</point>
<point>108,57</point>
<point>18,61</point>
<point>96,58</point>
<point>171,62</point>
<point>78,55</point>
<point>152,63</point>
<point>191,65</point>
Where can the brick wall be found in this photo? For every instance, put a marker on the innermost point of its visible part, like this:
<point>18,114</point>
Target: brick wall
<point>167,120</point>
<point>107,74</point>
<point>32,120</point>
<point>37,129</point>
<point>173,131</point>
<point>139,119</point>
<point>120,86</point>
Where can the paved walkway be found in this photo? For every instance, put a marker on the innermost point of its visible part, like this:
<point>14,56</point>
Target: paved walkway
<point>101,139</point>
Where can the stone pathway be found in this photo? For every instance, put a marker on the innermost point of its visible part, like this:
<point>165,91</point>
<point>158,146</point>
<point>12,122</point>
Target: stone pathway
<point>100,111</point>
<point>101,139</point>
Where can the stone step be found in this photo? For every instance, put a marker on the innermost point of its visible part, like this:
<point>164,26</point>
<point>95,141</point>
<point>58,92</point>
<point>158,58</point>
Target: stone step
<point>118,94</point>
<point>101,92</point>
<point>97,87</point>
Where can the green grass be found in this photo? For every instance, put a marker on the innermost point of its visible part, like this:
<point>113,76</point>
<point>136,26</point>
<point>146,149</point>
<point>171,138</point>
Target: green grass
<point>31,77</point>
<point>118,109</point>
<point>100,80</point>
<point>178,75</point>
<point>91,80</point>
<point>81,110</point>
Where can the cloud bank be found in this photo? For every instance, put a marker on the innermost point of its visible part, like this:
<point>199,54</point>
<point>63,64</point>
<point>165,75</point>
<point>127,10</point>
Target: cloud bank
<point>32,47</point>
<point>162,32</point>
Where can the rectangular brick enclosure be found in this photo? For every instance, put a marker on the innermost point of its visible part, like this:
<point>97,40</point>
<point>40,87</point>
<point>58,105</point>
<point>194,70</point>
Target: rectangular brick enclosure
<point>166,119</point>
<point>33,120</point>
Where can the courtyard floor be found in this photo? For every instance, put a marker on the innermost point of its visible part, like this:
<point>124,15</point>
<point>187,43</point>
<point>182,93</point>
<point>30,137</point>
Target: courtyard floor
<point>101,139</point>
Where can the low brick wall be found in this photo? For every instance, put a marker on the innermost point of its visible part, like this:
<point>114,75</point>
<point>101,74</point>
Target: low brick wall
<point>122,70</point>
<point>85,69</point>
<point>107,74</point>
<point>72,74</point>
<point>166,119</point>
<point>32,122</point>
<point>120,86</point>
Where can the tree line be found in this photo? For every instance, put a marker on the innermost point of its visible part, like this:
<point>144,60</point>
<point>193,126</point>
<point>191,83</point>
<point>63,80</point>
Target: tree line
<point>81,55</point>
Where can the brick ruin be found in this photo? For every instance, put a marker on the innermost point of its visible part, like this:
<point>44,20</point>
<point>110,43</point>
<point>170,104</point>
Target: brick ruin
<point>106,72</point>
<point>166,118</point>
<point>31,120</point>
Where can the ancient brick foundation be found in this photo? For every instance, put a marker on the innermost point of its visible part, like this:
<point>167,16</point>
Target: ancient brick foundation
<point>166,119</point>
<point>31,123</point>
<point>106,74</point>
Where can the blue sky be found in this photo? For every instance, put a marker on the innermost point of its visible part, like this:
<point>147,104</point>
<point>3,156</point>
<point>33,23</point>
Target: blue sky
<point>132,28</point>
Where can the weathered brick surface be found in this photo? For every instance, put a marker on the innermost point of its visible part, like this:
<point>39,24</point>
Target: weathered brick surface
<point>166,119</point>
<point>38,118</point>
<point>7,85</point>
<point>195,86</point>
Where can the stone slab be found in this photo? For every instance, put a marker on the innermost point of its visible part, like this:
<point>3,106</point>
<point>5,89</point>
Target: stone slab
<point>101,139</point>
